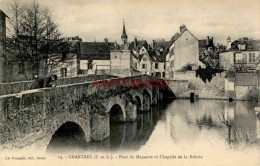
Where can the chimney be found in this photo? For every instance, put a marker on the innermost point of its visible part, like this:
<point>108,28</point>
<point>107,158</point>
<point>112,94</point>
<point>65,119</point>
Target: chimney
<point>153,44</point>
<point>228,42</point>
<point>207,40</point>
<point>135,42</point>
<point>182,28</point>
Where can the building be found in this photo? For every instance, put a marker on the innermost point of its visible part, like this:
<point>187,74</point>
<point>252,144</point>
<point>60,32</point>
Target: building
<point>241,55</point>
<point>186,50</point>
<point>94,57</point>
<point>158,60</point>
<point>123,61</point>
<point>68,64</point>
<point>209,53</point>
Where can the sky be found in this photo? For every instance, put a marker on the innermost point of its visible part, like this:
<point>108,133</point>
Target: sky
<point>154,19</point>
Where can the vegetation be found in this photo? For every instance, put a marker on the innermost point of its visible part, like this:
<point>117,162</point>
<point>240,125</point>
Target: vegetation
<point>34,38</point>
<point>207,74</point>
<point>187,67</point>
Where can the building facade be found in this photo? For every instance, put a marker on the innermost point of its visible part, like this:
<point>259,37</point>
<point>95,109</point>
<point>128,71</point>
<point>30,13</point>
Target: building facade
<point>242,55</point>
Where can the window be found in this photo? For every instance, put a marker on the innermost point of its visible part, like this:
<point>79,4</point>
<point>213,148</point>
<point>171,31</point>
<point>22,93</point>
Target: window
<point>90,64</point>
<point>144,59</point>
<point>63,72</point>
<point>163,74</point>
<point>135,65</point>
<point>115,57</point>
<point>144,66</point>
<point>164,67</point>
<point>251,57</point>
<point>63,56</point>
<point>156,65</point>
<point>239,58</point>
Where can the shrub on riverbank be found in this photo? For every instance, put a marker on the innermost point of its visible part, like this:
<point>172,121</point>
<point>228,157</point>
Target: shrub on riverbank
<point>252,95</point>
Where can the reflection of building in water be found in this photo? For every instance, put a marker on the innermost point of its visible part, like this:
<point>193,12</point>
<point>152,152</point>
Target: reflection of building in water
<point>245,120</point>
<point>258,128</point>
<point>229,111</point>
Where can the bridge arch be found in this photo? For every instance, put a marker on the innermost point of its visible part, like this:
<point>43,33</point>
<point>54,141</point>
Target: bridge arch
<point>116,103</point>
<point>116,114</point>
<point>138,97</point>
<point>62,122</point>
<point>69,135</point>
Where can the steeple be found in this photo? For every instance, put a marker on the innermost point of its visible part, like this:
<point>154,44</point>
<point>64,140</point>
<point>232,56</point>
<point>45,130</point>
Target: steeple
<point>124,35</point>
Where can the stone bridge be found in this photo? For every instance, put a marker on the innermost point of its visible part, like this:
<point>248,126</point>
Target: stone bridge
<point>30,119</point>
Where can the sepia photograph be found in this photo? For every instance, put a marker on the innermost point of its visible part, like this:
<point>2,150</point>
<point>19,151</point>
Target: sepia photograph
<point>130,82</point>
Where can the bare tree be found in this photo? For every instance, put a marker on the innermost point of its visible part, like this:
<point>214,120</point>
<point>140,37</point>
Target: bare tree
<point>37,38</point>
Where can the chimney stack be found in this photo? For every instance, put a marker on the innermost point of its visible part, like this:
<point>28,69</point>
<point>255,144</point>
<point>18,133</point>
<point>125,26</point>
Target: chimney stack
<point>228,42</point>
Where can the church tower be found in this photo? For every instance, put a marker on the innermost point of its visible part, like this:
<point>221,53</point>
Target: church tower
<point>124,35</point>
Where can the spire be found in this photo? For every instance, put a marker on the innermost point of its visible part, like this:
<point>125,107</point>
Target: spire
<point>124,35</point>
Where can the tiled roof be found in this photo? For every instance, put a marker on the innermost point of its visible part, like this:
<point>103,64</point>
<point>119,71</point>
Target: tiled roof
<point>155,57</point>
<point>251,45</point>
<point>95,50</point>
<point>165,44</point>
<point>139,44</point>
<point>203,43</point>
<point>245,79</point>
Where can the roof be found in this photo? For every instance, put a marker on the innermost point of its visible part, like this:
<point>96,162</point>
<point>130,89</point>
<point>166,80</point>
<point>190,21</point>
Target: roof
<point>245,79</point>
<point>1,12</point>
<point>251,45</point>
<point>96,50</point>
<point>139,44</point>
<point>174,38</point>
<point>165,44</point>
<point>203,43</point>
<point>157,58</point>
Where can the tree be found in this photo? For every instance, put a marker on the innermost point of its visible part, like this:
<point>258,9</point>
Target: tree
<point>36,38</point>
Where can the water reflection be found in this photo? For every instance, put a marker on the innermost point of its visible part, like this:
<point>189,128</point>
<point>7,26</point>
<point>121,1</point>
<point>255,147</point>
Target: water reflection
<point>189,125</point>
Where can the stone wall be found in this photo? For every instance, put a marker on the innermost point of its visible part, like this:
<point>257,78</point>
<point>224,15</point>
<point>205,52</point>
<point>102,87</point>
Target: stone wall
<point>178,86</point>
<point>214,89</point>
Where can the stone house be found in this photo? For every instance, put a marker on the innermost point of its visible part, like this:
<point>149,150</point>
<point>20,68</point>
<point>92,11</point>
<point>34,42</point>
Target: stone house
<point>94,57</point>
<point>158,63</point>
<point>186,50</point>
<point>183,52</point>
<point>145,64</point>
<point>163,57</point>
<point>242,55</point>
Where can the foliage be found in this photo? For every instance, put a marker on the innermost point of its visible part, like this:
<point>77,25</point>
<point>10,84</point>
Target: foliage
<point>230,74</point>
<point>252,95</point>
<point>34,37</point>
<point>207,74</point>
<point>187,67</point>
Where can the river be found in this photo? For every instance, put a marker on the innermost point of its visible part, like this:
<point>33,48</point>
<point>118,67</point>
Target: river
<point>181,127</point>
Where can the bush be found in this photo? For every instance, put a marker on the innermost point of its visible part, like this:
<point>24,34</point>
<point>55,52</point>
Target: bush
<point>252,95</point>
<point>187,67</point>
<point>207,74</point>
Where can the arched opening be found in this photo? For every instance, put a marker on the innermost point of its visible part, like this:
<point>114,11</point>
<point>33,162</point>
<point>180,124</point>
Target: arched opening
<point>116,129</point>
<point>116,114</point>
<point>192,95</point>
<point>69,136</point>
<point>146,100</point>
<point>138,103</point>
